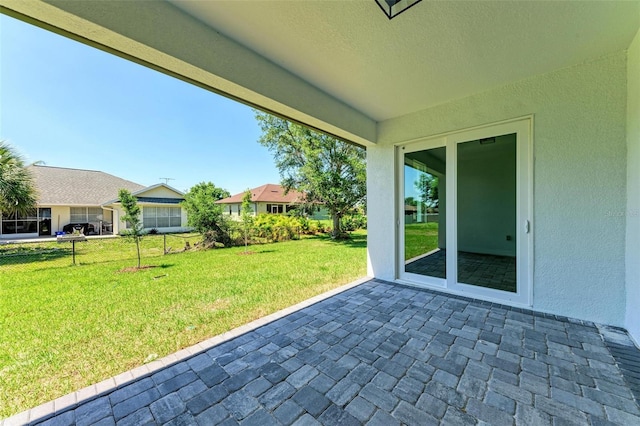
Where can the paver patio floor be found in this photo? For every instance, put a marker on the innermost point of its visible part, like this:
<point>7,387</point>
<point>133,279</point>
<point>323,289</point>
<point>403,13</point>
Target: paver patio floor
<point>385,354</point>
<point>485,270</point>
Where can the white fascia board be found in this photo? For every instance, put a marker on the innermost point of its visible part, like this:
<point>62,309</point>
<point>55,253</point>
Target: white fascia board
<point>159,35</point>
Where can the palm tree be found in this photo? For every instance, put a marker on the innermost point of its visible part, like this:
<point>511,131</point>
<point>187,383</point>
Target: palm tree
<point>17,189</point>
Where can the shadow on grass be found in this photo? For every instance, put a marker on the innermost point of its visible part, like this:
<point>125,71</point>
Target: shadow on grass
<point>21,257</point>
<point>355,241</point>
<point>165,265</point>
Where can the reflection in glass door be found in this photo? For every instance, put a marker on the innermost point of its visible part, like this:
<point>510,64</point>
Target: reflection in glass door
<point>465,208</point>
<point>425,212</point>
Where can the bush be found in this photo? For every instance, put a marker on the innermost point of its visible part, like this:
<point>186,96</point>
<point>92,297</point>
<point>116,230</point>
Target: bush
<point>353,222</point>
<point>273,228</point>
<point>307,226</point>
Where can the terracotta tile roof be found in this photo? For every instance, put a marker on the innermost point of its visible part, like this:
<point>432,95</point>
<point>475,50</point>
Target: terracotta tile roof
<point>268,193</point>
<point>61,186</point>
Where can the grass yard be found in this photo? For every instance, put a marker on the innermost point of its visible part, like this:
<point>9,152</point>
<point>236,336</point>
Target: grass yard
<point>65,327</point>
<point>420,238</point>
<point>29,256</point>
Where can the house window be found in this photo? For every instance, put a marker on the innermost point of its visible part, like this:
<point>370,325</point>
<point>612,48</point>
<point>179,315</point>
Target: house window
<point>161,217</point>
<point>13,223</point>
<point>274,208</point>
<point>85,214</point>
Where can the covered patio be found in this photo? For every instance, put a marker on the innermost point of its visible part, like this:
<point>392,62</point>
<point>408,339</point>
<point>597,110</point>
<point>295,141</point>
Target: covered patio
<point>377,353</point>
<point>558,80</point>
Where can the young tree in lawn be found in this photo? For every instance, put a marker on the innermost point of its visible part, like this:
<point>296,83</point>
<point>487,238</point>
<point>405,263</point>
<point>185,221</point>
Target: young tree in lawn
<point>17,189</point>
<point>427,187</point>
<point>205,215</point>
<point>247,218</point>
<point>325,169</point>
<point>132,218</point>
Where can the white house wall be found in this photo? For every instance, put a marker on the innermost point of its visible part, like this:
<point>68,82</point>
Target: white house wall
<point>632,322</point>
<point>60,216</point>
<point>579,181</point>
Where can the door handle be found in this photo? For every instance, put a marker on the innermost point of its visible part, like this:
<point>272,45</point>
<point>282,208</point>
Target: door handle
<point>527,227</point>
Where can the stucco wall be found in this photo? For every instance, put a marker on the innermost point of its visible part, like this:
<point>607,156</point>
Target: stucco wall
<point>60,216</point>
<point>160,192</point>
<point>579,177</point>
<point>633,190</point>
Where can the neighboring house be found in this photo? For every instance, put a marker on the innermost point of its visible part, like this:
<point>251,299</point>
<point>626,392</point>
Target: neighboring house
<point>528,112</point>
<point>268,198</point>
<point>74,196</point>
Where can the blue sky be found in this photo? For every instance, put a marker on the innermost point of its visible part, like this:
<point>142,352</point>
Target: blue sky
<point>71,105</point>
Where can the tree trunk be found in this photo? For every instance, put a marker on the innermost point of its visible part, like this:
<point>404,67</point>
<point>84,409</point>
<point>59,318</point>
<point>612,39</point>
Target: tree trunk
<point>335,233</point>
<point>138,249</point>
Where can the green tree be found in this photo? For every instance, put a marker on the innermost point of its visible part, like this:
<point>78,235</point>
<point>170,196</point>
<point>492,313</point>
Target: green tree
<point>132,218</point>
<point>427,187</point>
<point>17,188</point>
<point>325,169</point>
<point>205,215</point>
<point>247,217</point>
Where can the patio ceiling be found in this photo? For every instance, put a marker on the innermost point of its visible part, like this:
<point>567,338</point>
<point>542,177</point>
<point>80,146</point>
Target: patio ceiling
<point>434,53</point>
<point>343,67</point>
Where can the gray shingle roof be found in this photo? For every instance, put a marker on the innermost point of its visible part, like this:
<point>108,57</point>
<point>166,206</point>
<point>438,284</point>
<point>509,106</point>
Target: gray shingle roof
<point>61,186</point>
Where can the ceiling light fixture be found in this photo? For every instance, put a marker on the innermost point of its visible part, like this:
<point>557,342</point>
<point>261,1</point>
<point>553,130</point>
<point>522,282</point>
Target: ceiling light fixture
<point>393,8</point>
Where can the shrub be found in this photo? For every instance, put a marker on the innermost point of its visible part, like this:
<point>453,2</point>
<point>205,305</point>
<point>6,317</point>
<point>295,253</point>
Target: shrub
<point>273,227</point>
<point>354,222</point>
<point>307,226</point>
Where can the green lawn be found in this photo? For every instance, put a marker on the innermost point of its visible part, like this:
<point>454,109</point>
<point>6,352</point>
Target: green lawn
<point>65,327</point>
<point>27,256</point>
<point>420,238</point>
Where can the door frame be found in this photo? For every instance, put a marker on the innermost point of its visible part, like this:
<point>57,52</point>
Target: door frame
<point>523,128</point>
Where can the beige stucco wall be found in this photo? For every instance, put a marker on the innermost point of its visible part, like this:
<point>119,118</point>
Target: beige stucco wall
<point>60,216</point>
<point>579,176</point>
<point>632,320</point>
<point>159,192</point>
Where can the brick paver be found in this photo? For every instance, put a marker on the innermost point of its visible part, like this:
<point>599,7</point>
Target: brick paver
<point>381,353</point>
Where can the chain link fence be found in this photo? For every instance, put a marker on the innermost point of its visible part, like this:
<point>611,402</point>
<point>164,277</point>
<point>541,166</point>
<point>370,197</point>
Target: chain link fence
<point>31,255</point>
<point>49,253</point>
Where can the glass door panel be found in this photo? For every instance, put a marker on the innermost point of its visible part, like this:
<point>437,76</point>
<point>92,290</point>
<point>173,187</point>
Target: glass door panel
<point>486,210</point>
<point>425,212</point>
<point>44,224</point>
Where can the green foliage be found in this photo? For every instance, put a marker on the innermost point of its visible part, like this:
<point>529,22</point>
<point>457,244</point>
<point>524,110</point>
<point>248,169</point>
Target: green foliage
<point>17,189</point>
<point>246,215</point>
<point>354,221</point>
<point>205,215</point>
<point>325,169</point>
<point>277,227</point>
<point>132,218</point>
<point>307,227</point>
<point>427,186</point>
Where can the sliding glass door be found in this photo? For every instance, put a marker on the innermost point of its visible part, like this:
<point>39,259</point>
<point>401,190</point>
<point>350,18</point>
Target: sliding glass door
<point>465,212</point>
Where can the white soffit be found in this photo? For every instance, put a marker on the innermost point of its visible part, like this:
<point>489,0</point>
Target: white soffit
<point>436,52</point>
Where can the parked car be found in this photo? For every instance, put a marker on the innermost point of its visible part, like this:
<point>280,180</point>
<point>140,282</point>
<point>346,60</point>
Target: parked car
<point>84,228</point>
